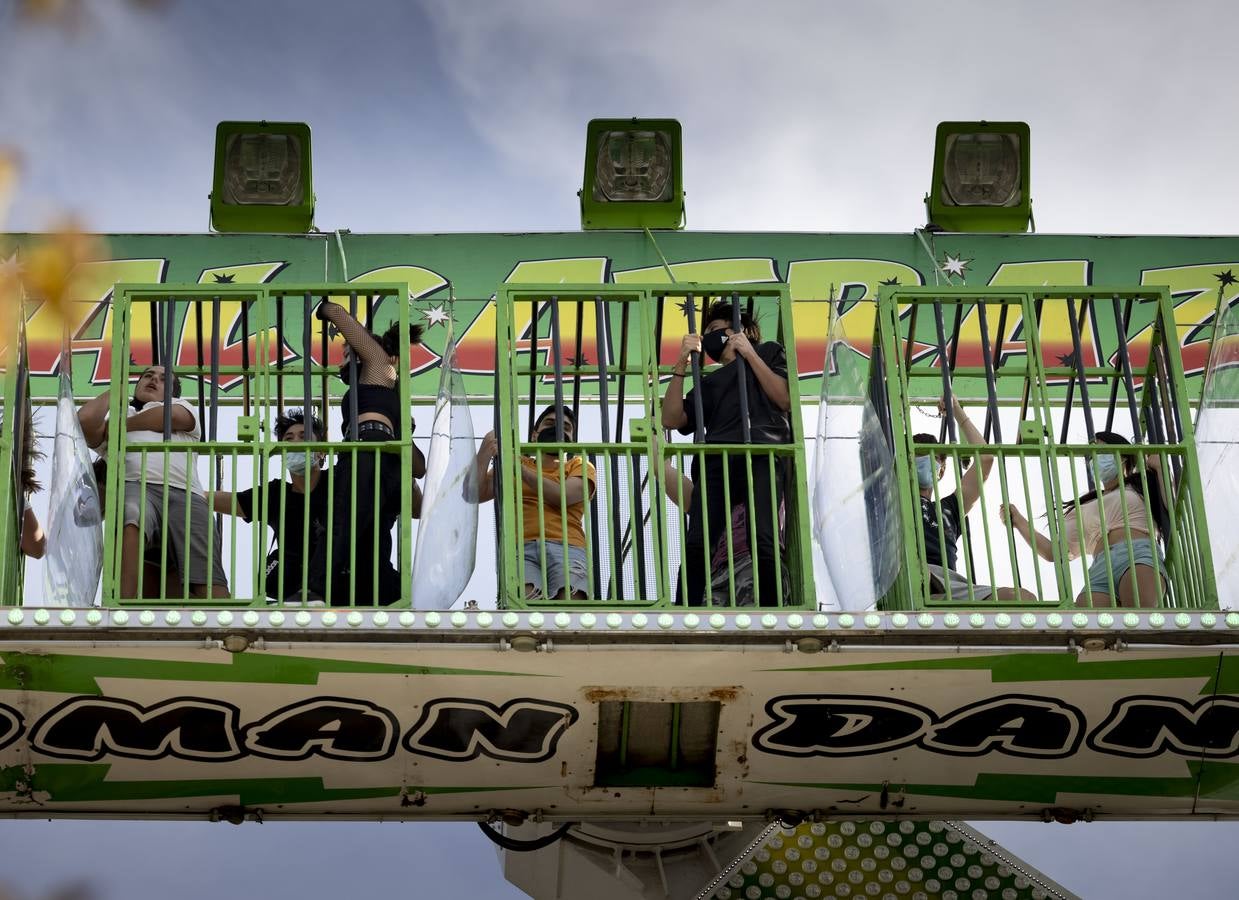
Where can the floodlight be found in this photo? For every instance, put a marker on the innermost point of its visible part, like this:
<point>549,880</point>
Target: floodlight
<point>262,178</point>
<point>980,180</point>
<point>632,174</point>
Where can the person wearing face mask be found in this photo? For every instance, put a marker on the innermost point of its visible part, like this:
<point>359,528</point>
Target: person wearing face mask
<point>1098,523</point>
<point>357,521</point>
<point>942,521</point>
<point>284,505</point>
<point>548,488</point>
<point>764,378</point>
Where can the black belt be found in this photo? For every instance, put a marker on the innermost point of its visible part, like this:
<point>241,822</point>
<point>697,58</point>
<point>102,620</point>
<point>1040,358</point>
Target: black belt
<point>373,426</point>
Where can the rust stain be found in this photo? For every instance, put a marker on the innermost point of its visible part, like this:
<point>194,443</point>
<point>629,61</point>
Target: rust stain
<point>662,694</point>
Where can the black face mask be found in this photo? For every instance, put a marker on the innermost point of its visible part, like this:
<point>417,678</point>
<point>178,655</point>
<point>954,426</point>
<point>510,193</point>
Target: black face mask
<point>547,435</point>
<point>713,343</point>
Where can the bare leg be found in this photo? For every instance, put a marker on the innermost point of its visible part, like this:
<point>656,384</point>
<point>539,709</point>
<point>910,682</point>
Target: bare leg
<point>213,591</point>
<point>129,563</point>
<point>1008,594</point>
<point>1095,599</point>
<point>1149,582</point>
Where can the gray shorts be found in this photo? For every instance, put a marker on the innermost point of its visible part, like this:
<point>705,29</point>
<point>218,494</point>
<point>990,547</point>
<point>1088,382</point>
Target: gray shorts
<point>188,551</point>
<point>578,569</point>
<point>947,583</point>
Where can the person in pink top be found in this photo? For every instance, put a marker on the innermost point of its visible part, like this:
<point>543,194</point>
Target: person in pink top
<point>1115,526</point>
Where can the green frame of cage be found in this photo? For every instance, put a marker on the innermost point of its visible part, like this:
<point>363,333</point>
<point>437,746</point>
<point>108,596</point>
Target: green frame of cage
<point>1189,561</point>
<point>254,437</point>
<point>640,362</point>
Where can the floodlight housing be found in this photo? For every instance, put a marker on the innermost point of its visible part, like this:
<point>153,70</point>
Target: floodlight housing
<point>262,178</point>
<point>633,174</point>
<point>980,180</point>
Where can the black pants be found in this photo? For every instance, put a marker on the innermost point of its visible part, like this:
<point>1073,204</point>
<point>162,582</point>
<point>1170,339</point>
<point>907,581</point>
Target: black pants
<point>709,517</point>
<point>369,526</point>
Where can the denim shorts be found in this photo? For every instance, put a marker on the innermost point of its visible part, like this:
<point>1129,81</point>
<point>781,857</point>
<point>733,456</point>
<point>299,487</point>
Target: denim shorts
<point>578,569</point>
<point>1123,555</point>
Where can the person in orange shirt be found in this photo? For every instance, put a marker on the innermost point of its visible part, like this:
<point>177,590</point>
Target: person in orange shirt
<point>556,563</point>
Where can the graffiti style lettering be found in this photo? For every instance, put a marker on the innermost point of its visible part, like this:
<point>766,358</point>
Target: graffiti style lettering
<point>522,730</point>
<point>823,725</point>
<point>333,727</point>
<point>422,283</point>
<point>89,321</point>
<point>10,725</point>
<point>812,283</point>
<point>1148,726</point>
<point>475,350</point>
<point>90,728</point>
<point>757,270</point>
<point>1194,292</point>
<point>1055,332</point>
<point>1013,724</point>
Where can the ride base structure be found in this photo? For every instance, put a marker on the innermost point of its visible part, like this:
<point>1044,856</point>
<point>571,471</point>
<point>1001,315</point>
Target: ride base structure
<point>853,701</point>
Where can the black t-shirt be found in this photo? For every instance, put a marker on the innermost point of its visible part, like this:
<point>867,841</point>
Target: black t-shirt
<point>291,540</point>
<point>950,525</point>
<point>720,403</point>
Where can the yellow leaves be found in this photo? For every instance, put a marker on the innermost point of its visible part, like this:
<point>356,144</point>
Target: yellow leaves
<point>46,271</point>
<point>8,181</point>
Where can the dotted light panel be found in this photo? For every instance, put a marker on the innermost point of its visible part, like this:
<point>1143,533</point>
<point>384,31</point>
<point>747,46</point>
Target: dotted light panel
<point>886,860</point>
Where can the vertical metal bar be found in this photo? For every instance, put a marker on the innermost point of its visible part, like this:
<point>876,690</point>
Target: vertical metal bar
<point>307,342</point>
<point>156,332</point>
<point>352,377</point>
<point>201,362</point>
<point>214,420</point>
<point>323,385</point>
<point>1078,351</point>
<point>1029,367</point>
<point>945,366</point>
<point>602,332</point>
<point>557,366</point>
<point>1121,326</point>
<point>533,366</point>
<point>168,375</point>
<point>1002,336</point>
<point>907,351</point>
<point>690,309</point>
<point>948,423</point>
<point>245,353</point>
<point>279,351</point>
<point>991,386</point>
<point>742,376</point>
<point>623,374</point>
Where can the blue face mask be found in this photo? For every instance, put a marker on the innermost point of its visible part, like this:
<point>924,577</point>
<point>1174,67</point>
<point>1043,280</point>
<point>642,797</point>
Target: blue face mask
<point>925,471</point>
<point>1105,468</point>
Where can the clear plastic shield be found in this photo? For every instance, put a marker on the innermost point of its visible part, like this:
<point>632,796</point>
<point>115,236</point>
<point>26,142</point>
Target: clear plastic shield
<point>447,536</point>
<point>74,522</point>
<point>1217,449</point>
<point>855,504</point>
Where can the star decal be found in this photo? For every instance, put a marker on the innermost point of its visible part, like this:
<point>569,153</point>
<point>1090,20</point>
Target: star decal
<point>578,361</point>
<point>688,306</point>
<point>436,315</point>
<point>954,265</point>
<point>1227,278</point>
<point>890,282</point>
<point>225,278</point>
<point>10,269</point>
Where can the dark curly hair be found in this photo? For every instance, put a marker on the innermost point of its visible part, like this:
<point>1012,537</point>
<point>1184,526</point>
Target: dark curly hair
<point>390,339</point>
<point>721,310</point>
<point>296,416</point>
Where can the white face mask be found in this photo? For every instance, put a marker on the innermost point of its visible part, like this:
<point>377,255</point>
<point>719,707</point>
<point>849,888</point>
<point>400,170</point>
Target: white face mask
<point>294,463</point>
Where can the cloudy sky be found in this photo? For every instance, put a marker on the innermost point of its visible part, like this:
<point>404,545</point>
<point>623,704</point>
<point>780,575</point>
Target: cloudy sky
<point>451,115</point>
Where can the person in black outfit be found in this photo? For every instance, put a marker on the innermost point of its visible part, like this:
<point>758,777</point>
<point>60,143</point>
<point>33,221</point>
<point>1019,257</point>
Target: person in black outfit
<point>945,582</point>
<point>769,402</point>
<point>361,474</point>
<point>283,505</point>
